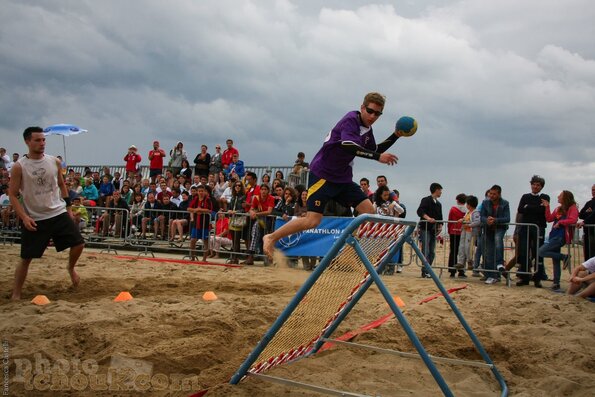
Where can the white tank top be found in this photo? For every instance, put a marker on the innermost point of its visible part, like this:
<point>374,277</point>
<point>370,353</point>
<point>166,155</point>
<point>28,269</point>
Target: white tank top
<point>42,198</point>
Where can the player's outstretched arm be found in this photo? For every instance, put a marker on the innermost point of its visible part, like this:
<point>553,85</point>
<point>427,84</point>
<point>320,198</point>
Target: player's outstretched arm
<point>388,142</point>
<point>357,150</point>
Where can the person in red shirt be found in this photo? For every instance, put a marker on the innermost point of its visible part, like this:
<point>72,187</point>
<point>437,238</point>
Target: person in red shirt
<point>200,209</point>
<point>455,229</point>
<point>222,237</point>
<point>262,206</point>
<point>156,161</point>
<point>132,159</point>
<point>227,156</point>
<point>252,190</point>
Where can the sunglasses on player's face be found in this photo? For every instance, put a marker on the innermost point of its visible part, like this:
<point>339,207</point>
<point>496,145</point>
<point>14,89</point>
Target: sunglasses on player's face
<point>372,111</point>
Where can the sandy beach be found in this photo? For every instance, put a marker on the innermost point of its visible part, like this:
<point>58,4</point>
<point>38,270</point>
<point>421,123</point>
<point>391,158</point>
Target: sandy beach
<point>168,341</point>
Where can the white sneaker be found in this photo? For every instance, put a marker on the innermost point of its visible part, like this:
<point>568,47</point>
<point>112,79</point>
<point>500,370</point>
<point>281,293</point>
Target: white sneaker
<point>491,280</point>
<point>399,269</point>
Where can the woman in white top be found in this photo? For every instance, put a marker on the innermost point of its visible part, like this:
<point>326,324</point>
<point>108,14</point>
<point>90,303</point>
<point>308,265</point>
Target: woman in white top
<point>383,205</point>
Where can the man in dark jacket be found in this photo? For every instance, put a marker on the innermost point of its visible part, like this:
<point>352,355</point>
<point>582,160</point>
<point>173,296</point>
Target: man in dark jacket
<point>587,215</point>
<point>532,237</point>
<point>430,211</point>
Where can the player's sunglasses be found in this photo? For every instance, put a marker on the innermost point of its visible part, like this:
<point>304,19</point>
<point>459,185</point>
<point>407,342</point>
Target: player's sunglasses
<point>372,111</point>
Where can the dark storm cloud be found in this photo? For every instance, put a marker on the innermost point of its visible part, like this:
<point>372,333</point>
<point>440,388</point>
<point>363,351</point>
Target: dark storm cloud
<point>495,86</point>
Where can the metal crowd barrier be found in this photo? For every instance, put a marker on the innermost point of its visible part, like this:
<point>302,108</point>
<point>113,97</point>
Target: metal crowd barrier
<point>9,225</point>
<point>443,252</point>
<point>245,235</point>
<point>583,243</point>
<point>113,228</point>
<point>161,233</point>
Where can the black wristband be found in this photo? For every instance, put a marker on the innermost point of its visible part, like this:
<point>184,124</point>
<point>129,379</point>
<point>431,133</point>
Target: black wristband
<point>67,201</point>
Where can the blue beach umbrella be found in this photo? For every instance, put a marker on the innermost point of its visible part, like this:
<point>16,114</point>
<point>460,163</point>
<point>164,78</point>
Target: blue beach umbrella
<point>64,130</point>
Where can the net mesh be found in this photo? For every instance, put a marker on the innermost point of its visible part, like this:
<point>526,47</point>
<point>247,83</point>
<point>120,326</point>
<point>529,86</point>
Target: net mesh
<point>328,296</point>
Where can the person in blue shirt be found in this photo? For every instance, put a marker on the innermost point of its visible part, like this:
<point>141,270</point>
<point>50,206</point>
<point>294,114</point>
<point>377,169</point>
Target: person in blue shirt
<point>495,217</point>
<point>236,167</point>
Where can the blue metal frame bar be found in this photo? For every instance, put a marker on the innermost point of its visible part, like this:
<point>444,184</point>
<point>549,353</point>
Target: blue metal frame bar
<point>460,317</point>
<point>402,320</point>
<point>347,238</point>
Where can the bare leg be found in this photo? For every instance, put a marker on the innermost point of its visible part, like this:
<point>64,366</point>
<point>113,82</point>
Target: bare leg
<point>573,288</point>
<point>312,219</point>
<point>118,224</point>
<point>162,226</point>
<point>193,249</point>
<point>144,226</point>
<point>105,221</point>
<point>20,274</point>
<point>365,207</point>
<point>75,253</point>
<point>180,227</point>
<point>589,291</point>
<point>171,229</point>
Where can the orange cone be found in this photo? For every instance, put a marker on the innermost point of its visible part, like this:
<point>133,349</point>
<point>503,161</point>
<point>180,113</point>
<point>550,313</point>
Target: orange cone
<point>40,300</point>
<point>209,296</point>
<point>123,296</point>
<point>399,301</point>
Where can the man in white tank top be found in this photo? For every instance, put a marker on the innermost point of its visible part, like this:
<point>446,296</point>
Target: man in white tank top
<point>45,209</point>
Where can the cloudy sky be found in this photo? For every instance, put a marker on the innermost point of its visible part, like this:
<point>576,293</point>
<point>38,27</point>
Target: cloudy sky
<point>501,89</point>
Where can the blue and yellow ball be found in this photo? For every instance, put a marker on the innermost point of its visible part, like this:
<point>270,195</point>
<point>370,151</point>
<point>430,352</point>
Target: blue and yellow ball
<point>406,125</point>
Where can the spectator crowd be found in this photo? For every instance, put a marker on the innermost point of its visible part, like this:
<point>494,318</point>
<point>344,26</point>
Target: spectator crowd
<point>180,199</point>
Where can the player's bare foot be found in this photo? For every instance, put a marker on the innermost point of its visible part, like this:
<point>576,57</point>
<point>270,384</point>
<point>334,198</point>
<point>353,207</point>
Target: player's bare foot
<point>75,278</point>
<point>268,246</point>
<point>15,296</point>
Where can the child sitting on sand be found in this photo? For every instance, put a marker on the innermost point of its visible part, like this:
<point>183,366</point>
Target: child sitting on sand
<point>583,276</point>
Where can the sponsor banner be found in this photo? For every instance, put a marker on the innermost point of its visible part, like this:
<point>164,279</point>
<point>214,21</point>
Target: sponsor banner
<point>312,242</point>
<point>317,241</point>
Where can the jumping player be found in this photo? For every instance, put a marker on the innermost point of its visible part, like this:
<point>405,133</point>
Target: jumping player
<point>331,173</point>
<point>45,210</point>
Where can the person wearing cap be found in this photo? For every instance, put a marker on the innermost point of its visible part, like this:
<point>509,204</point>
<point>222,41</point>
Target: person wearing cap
<point>132,159</point>
<point>156,156</point>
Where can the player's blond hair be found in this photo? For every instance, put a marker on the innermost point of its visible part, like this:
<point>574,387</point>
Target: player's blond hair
<point>374,97</point>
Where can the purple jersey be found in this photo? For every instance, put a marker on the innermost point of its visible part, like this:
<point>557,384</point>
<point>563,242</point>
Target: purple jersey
<point>334,163</point>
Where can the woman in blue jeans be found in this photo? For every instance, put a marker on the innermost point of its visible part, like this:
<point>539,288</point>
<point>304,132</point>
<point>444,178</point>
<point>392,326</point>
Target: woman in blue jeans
<point>564,218</point>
